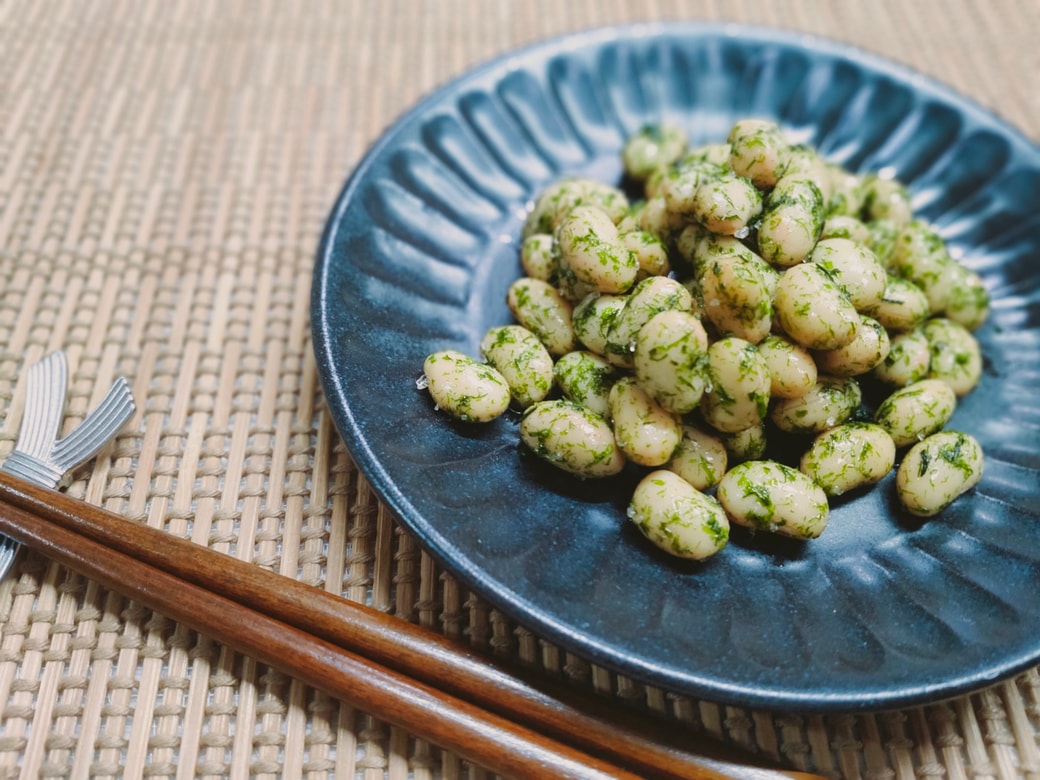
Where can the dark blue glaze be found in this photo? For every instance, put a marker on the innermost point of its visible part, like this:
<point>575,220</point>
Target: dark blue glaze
<point>881,611</point>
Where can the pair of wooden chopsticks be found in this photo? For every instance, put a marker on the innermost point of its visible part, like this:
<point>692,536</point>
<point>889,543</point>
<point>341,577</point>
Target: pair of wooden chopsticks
<point>401,673</point>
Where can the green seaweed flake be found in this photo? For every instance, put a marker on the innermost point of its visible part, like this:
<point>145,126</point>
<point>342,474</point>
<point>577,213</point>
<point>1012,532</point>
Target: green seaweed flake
<point>954,454</point>
<point>718,533</point>
<point>926,459</point>
<point>761,494</point>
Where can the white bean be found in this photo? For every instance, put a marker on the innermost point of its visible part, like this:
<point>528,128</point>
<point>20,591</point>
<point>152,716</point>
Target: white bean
<point>652,148</point>
<point>677,517</point>
<point>694,242</point>
<point>937,470</point>
<point>968,300</point>
<point>567,284</point>
<point>830,402</point>
<point>908,360</point>
<point>650,252</point>
<point>956,358</point>
<point>593,318</point>
<point>631,219</point>
<point>556,201</point>
<point>843,226</point>
<point>696,300</point>
<point>585,378</point>
<point>738,395</point>
<point>757,149</point>
<point>538,256</point>
<point>656,217</point>
<point>465,388</point>
<point>543,311</point>
<point>671,360</point>
<point>919,255</point>
<point>645,431</point>
<point>813,310</point>
<point>791,221</point>
<point>802,162</point>
<point>886,199</point>
<point>846,192</point>
<point>882,240</point>
<point>737,297</point>
<point>679,187</point>
<point>583,224</point>
<point>726,204</point>
<point>589,244</point>
<point>848,457</point>
<point>765,495</point>
<point>792,370</point>
<point>714,153</point>
<point>648,297</point>
<point>913,412</point>
<point>748,444</point>
<point>854,267</point>
<point>701,248</point>
<point>700,458</point>
<point>571,438</point>
<point>522,360</point>
<point>870,347</point>
<point>902,307</point>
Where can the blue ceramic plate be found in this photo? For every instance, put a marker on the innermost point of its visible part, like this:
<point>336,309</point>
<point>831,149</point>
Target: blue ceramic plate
<point>418,253</point>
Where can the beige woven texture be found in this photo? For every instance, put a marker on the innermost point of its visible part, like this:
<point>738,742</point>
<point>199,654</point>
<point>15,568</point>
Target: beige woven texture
<point>165,173</point>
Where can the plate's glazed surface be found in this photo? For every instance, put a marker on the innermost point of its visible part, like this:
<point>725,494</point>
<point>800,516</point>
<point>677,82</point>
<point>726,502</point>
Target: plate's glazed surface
<point>423,242</point>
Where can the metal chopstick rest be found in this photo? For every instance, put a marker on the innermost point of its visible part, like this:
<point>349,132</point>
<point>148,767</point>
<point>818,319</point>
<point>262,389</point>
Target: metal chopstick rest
<point>39,456</point>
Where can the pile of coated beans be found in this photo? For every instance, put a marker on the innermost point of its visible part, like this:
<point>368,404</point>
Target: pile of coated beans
<point>752,290</point>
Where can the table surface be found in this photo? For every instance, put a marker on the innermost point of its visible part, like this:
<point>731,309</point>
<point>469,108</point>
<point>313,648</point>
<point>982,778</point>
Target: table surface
<point>165,173</point>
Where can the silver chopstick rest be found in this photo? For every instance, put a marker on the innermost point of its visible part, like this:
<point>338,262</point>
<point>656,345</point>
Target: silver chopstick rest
<point>39,456</point>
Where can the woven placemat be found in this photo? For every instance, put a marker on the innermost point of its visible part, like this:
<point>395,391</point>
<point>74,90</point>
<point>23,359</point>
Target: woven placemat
<point>165,173</point>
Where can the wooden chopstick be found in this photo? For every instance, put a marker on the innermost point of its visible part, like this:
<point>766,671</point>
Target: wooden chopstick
<point>399,672</point>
